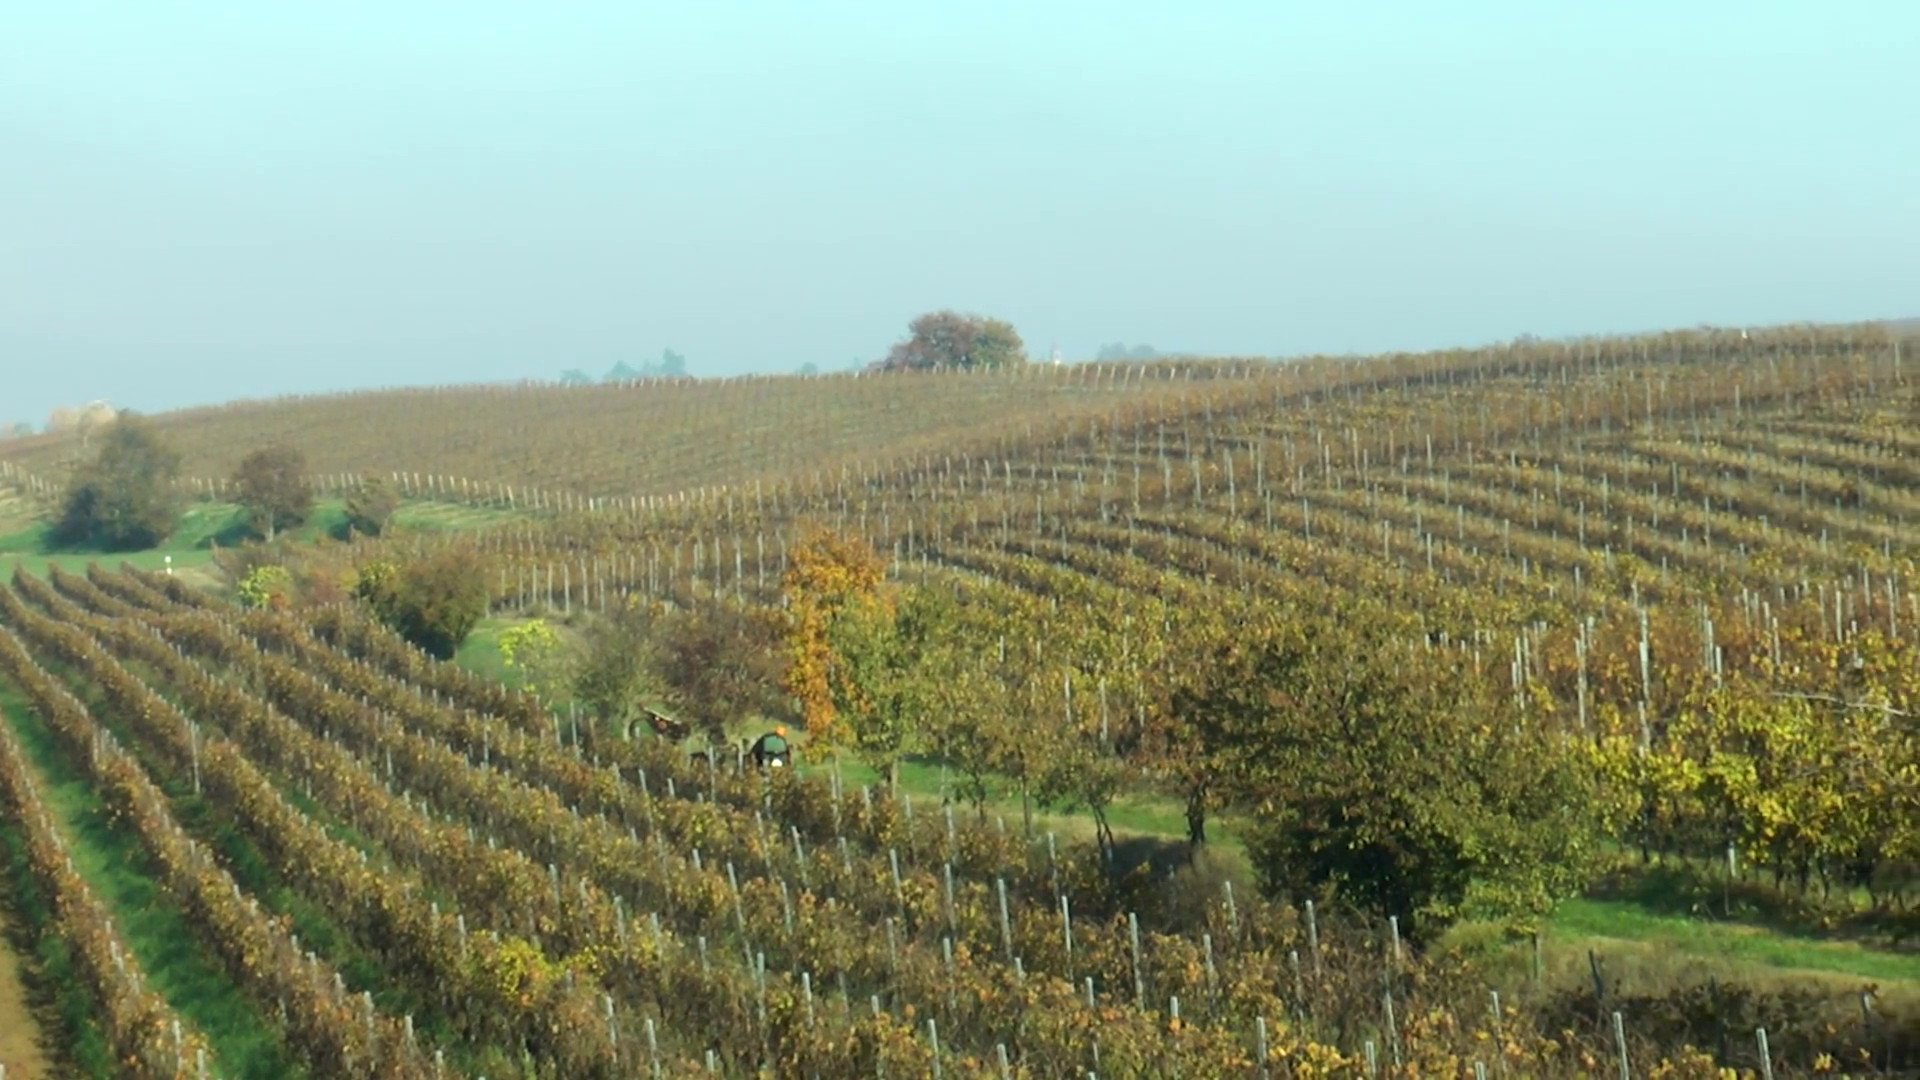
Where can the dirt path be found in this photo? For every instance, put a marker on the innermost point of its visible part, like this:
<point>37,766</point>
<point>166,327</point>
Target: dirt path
<point>20,1049</point>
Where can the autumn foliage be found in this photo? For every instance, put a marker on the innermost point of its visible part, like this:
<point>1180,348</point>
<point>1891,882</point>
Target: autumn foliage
<point>950,340</point>
<point>827,574</point>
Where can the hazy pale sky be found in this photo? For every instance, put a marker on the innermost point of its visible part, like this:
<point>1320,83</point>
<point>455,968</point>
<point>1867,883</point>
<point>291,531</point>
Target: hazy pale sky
<point>202,201</point>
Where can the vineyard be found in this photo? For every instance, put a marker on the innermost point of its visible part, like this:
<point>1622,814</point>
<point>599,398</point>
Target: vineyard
<point>610,911</point>
<point>651,437</point>
<point>1686,562</point>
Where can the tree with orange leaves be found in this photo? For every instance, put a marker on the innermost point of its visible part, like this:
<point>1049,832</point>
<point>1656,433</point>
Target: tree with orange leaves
<point>826,574</point>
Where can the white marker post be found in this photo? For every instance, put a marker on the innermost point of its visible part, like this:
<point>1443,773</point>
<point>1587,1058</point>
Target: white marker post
<point>169,559</point>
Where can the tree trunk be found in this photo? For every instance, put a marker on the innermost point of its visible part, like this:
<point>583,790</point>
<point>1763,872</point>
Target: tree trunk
<point>1102,832</point>
<point>1196,818</point>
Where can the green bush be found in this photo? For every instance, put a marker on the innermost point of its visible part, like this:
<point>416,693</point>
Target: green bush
<point>1390,779</point>
<point>267,586</point>
<point>370,505</point>
<point>123,500</point>
<point>433,603</point>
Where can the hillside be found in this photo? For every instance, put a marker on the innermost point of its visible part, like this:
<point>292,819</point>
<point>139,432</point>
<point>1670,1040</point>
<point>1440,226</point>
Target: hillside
<point>1655,466</point>
<point>659,437</point>
<point>656,438</point>
<point>1688,559</point>
<point>641,438</point>
<point>1571,479</point>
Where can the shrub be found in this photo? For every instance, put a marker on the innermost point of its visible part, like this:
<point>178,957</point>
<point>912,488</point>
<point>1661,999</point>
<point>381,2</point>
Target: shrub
<point>722,661</point>
<point>540,656</point>
<point>370,505</point>
<point>123,500</point>
<point>433,603</point>
<point>267,586</point>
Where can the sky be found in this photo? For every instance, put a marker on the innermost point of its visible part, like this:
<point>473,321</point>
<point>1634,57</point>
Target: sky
<point>208,201</point>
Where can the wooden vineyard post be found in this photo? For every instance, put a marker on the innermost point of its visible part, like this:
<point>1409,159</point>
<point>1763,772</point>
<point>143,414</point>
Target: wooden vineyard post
<point>1620,1046</point>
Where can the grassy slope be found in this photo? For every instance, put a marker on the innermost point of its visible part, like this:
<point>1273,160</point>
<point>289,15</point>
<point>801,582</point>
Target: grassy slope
<point>24,537</point>
<point>1588,921</point>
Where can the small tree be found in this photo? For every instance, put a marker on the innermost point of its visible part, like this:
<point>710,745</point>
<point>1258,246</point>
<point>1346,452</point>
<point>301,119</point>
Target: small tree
<point>883,683</point>
<point>370,504</point>
<point>434,603</point>
<point>615,678</point>
<point>969,717</point>
<point>947,339</point>
<point>1391,778</point>
<point>825,575</point>
<point>123,500</point>
<point>271,483</point>
<point>267,587</point>
<point>540,657</point>
<point>1188,738</point>
<point>1025,734</point>
<point>720,661</point>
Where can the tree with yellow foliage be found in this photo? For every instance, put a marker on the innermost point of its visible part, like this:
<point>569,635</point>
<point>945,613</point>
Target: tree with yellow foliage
<point>537,653</point>
<point>827,574</point>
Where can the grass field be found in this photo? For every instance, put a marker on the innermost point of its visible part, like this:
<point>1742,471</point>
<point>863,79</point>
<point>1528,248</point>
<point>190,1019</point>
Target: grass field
<point>203,526</point>
<point>1604,924</point>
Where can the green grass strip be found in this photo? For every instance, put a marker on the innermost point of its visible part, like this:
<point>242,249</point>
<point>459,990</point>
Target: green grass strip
<point>1731,941</point>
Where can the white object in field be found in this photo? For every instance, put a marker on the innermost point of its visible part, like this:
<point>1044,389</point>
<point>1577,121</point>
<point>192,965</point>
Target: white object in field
<point>169,559</point>
<point>776,763</point>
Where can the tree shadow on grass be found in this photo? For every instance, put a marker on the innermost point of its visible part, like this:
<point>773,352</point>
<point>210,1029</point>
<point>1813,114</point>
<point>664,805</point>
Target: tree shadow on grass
<point>1688,891</point>
<point>234,532</point>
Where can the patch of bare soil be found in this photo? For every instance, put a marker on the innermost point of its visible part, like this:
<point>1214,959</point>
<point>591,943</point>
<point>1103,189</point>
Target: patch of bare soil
<point>21,1049</point>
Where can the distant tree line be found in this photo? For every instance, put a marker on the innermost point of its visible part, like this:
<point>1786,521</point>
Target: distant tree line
<point>671,365</point>
<point>854,366</point>
<point>1119,352</point>
<point>936,341</point>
